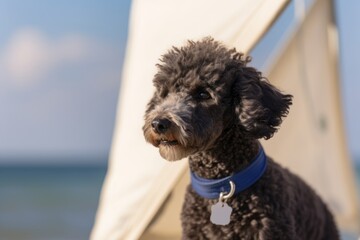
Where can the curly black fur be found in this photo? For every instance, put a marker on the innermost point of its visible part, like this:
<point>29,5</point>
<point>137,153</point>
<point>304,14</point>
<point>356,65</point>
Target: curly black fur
<point>216,107</point>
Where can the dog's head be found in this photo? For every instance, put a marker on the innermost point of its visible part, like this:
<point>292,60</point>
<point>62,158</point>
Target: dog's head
<point>204,88</point>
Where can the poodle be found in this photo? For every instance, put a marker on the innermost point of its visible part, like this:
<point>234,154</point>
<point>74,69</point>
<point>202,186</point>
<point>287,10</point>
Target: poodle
<point>211,107</point>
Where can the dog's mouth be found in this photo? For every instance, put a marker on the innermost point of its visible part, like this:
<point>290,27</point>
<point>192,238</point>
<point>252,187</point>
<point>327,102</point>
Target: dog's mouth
<point>167,142</point>
<point>171,147</point>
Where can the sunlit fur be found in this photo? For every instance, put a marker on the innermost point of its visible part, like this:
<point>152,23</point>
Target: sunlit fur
<point>219,107</point>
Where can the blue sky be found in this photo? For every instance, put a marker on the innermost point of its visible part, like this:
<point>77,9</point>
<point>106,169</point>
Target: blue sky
<point>348,19</point>
<point>60,66</point>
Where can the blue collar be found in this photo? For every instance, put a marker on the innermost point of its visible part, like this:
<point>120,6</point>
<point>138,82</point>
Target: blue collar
<point>211,188</point>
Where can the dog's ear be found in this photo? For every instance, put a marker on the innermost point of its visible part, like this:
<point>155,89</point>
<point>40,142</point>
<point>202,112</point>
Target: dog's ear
<point>259,105</point>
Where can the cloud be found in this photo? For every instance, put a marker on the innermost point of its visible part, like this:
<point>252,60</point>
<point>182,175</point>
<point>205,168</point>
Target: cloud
<point>30,55</point>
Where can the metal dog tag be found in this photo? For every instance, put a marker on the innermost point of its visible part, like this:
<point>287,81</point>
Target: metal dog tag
<point>220,213</point>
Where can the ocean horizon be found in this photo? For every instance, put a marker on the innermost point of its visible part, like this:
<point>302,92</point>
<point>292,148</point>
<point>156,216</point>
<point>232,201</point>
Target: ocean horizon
<point>54,202</point>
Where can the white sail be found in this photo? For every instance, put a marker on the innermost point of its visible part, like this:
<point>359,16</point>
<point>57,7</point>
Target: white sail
<point>311,141</point>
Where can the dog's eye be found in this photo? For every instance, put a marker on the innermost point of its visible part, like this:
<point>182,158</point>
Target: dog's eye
<point>203,95</point>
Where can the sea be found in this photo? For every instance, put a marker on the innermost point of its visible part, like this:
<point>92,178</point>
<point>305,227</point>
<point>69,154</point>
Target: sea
<point>49,202</point>
<point>54,202</point>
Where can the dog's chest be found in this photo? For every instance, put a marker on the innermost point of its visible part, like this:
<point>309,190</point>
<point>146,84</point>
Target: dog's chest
<point>248,217</point>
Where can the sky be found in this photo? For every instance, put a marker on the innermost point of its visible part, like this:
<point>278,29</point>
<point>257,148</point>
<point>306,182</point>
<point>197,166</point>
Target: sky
<point>60,68</point>
<point>348,19</point>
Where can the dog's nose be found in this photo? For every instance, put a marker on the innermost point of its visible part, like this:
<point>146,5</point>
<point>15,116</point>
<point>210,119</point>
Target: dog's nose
<point>160,125</point>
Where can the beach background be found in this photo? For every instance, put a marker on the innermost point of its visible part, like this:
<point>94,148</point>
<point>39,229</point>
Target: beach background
<point>60,68</point>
